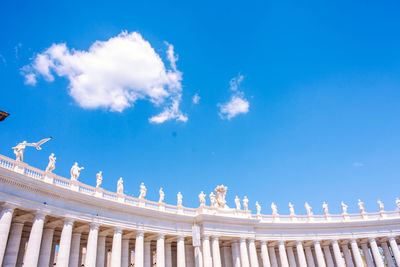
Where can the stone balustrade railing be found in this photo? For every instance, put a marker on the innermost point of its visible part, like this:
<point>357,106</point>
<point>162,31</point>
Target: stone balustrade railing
<point>51,178</point>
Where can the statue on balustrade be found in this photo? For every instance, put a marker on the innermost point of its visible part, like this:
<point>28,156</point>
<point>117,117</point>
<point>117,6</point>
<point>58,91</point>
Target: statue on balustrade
<point>20,148</point>
<point>308,209</point>
<point>325,208</point>
<point>213,201</point>
<point>258,208</point>
<point>202,199</point>
<point>344,208</point>
<point>291,209</point>
<point>162,195</point>
<point>381,206</point>
<point>398,203</point>
<point>75,172</point>
<point>245,204</point>
<point>274,209</point>
<point>120,186</point>
<point>237,202</point>
<point>99,179</point>
<point>179,199</point>
<point>361,206</point>
<point>220,194</point>
<point>52,163</point>
<point>143,191</point>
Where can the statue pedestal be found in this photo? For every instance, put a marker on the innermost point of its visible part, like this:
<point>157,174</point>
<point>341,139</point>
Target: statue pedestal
<point>19,169</point>
<point>74,185</point>
<point>98,192</point>
<point>180,210</point>
<point>141,202</point>
<point>121,198</point>
<point>48,178</point>
<point>161,206</point>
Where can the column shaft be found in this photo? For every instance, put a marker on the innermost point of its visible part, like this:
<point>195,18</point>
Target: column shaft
<point>338,256</point>
<point>253,253</point>
<point>10,257</point>
<point>367,255</point>
<point>395,250</point>
<point>125,253</point>
<point>147,256</point>
<point>21,252</point>
<point>235,254</point>
<point>388,256</point>
<point>328,257</point>
<point>282,254</point>
<point>116,248</point>
<point>207,259</point>
<point>264,255</point>
<point>292,259</point>
<point>160,251</point>
<point>272,254</point>
<point>310,257</point>
<point>75,250</point>
<point>91,249</point>
<point>5,224</point>
<point>244,257</point>
<point>139,250</point>
<point>319,254</point>
<point>189,254</point>
<point>375,252</point>
<point>198,257</point>
<point>180,246</point>
<point>168,254</point>
<point>356,253</point>
<point>347,256</point>
<point>101,251</point>
<point>45,250</point>
<point>35,239</point>
<point>215,252</point>
<point>300,254</point>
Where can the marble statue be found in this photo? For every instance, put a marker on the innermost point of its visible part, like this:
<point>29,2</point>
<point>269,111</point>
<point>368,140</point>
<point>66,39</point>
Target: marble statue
<point>179,199</point>
<point>237,202</point>
<point>398,203</point>
<point>162,195</point>
<point>344,208</point>
<point>361,206</point>
<point>245,204</point>
<point>202,199</point>
<point>120,186</point>
<point>20,148</point>
<point>258,207</point>
<point>143,191</point>
<point>220,194</point>
<point>75,172</point>
<point>381,206</point>
<point>291,209</point>
<point>325,208</point>
<point>274,209</point>
<point>52,163</point>
<point>308,209</point>
<point>213,201</point>
<point>99,179</point>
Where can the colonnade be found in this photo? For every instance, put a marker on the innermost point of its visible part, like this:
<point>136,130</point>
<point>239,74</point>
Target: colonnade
<point>33,239</point>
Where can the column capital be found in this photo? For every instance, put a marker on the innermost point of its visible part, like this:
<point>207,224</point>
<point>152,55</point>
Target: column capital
<point>299,242</point>
<point>94,225</point>
<point>316,242</point>
<point>139,233</point>
<point>206,237</point>
<point>371,239</point>
<point>117,230</point>
<point>281,242</point>
<point>243,239</point>
<point>263,242</point>
<point>215,237</point>
<point>181,238</point>
<point>160,236</point>
<point>75,233</point>
<point>353,240</point>
<point>68,221</point>
<point>251,240</point>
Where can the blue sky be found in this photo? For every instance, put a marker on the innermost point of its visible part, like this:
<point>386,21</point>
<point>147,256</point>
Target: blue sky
<point>321,81</point>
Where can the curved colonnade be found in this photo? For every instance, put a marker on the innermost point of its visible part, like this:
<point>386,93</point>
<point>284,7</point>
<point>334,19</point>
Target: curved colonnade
<point>48,220</point>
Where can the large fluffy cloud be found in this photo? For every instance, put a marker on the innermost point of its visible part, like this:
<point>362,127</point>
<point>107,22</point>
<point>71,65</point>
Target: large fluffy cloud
<point>238,104</point>
<point>114,74</point>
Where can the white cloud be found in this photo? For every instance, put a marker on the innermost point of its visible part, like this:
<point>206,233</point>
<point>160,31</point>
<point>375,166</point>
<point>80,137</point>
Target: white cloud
<point>114,74</point>
<point>238,104</point>
<point>358,164</point>
<point>196,98</point>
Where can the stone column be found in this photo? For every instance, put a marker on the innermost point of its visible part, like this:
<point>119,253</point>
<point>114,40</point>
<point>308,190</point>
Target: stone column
<point>292,259</point>
<point>265,256</point>
<point>139,249</point>
<point>347,256</point>
<point>91,250</point>
<point>10,257</point>
<point>227,255</point>
<point>395,250</point>
<point>319,254</point>
<point>147,250</point>
<point>125,253</point>
<point>101,251</point>
<point>356,253</point>
<point>282,254</point>
<point>45,250</point>
<point>300,254</point>
<point>244,257</point>
<point>168,254</point>
<point>35,239</point>
<point>5,223</point>
<point>75,249</point>
<point>189,253</point>
<point>65,244</point>
<point>198,257</point>
<point>388,256</point>
<point>235,254</point>
<point>116,248</point>
<point>375,252</point>
<point>180,247</point>
<point>367,255</point>
<point>253,253</point>
<point>310,257</point>
<point>160,262</point>
<point>328,256</point>
<point>272,254</point>
<point>21,252</point>
<point>338,256</point>
<point>215,252</point>
<point>207,259</point>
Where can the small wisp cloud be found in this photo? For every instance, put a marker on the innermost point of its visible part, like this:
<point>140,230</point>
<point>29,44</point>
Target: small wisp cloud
<point>238,104</point>
<point>114,74</point>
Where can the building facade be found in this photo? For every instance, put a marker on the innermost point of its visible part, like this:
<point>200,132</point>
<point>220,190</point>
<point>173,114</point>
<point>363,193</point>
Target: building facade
<point>48,220</point>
